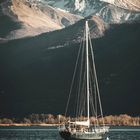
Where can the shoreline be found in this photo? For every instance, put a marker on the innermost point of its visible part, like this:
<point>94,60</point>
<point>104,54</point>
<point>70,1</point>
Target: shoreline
<point>57,120</point>
<point>49,125</point>
<point>20,124</point>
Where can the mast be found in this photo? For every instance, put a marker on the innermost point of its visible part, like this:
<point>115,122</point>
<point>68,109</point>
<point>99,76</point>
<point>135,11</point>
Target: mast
<point>87,70</point>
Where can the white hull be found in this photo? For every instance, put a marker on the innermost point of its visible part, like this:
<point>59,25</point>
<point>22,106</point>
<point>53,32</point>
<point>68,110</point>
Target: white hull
<point>81,136</point>
<point>93,134</point>
<point>88,136</point>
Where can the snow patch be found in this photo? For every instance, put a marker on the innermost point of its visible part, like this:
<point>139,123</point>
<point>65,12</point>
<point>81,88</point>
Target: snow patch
<point>109,1</point>
<point>56,47</point>
<point>80,5</point>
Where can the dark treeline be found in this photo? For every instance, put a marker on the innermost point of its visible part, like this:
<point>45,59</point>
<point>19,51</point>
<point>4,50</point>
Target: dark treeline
<point>36,119</point>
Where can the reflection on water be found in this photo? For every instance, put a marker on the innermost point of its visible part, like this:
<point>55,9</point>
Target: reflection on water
<point>45,133</point>
<point>28,134</point>
<point>124,135</point>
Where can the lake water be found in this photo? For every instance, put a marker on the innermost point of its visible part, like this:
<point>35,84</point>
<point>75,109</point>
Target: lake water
<point>51,133</point>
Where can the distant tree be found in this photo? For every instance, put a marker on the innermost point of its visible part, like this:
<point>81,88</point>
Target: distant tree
<point>93,120</point>
<point>50,119</point>
<point>108,119</point>
<point>125,119</point>
<point>122,119</point>
<point>26,121</point>
<point>6,121</point>
<point>34,118</point>
<point>61,119</point>
<point>43,118</point>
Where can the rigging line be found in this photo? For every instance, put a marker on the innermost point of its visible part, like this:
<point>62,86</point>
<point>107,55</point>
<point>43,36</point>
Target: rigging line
<point>90,28</point>
<point>83,101</point>
<point>96,79</point>
<point>83,96</point>
<point>95,92</point>
<point>93,110</point>
<point>84,105</point>
<point>73,78</point>
<point>80,79</point>
<point>92,97</point>
<point>81,92</point>
<point>92,103</point>
<point>96,120</point>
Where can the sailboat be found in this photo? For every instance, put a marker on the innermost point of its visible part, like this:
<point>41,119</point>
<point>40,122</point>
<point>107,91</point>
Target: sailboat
<point>88,99</point>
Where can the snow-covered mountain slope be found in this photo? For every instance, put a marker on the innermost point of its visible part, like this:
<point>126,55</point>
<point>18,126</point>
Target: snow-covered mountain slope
<point>80,7</point>
<point>116,11</point>
<point>38,16</point>
<point>133,5</point>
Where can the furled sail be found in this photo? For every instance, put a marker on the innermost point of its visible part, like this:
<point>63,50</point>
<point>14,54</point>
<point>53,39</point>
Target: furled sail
<point>84,123</point>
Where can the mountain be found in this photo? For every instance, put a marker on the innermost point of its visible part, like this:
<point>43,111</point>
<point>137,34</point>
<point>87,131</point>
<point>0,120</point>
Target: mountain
<point>133,5</point>
<point>35,77</point>
<point>112,11</point>
<point>37,18</point>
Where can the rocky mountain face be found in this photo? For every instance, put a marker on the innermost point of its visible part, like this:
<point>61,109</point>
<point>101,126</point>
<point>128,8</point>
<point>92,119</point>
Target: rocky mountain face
<point>112,11</point>
<point>37,18</point>
<point>42,14</point>
<point>133,5</point>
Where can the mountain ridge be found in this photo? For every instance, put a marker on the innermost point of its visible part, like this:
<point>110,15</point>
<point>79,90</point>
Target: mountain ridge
<point>133,5</point>
<point>111,11</point>
<point>48,15</point>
